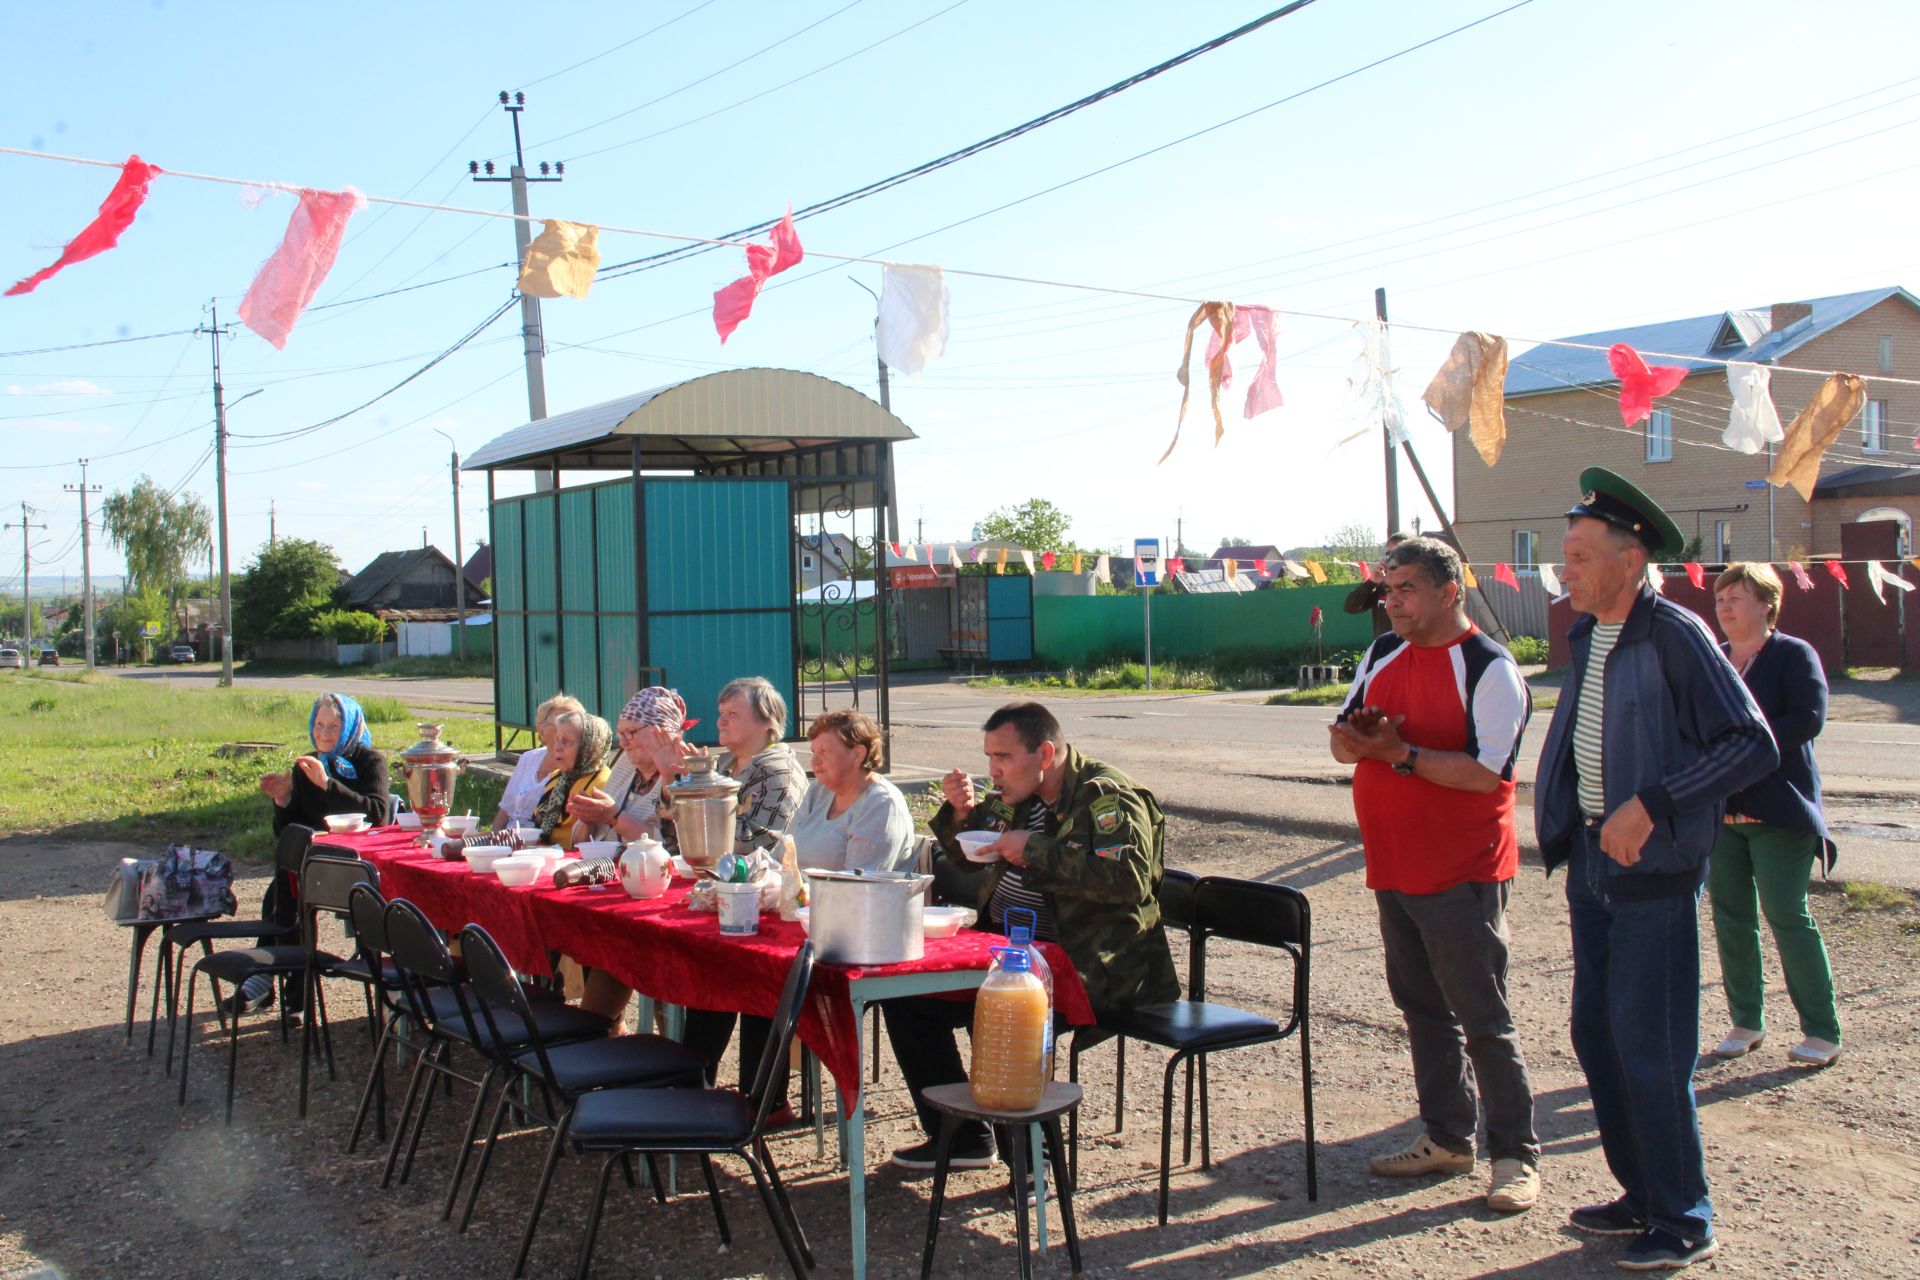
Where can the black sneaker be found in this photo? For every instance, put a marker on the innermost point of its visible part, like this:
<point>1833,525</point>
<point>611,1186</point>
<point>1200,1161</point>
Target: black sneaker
<point>1613,1218</point>
<point>1657,1249</point>
<point>922,1157</point>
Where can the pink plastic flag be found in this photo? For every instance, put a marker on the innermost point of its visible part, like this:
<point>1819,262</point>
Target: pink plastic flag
<point>895,548</point>
<point>1696,573</point>
<point>734,303</point>
<point>1503,572</point>
<point>1048,559</point>
<point>115,215</point>
<point>1639,384</point>
<point>1800,577</point>
<point>1838,572</point>
<point>1139,569</point>
<point>1264,394</point>
<point>1176,565</point>
<point>295,272</point>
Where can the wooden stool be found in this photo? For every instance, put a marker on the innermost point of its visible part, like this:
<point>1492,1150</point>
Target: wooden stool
<point>1011,1130</point>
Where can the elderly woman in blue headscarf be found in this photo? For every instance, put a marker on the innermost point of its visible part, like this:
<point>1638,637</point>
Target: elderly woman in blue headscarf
<point>341,774</point>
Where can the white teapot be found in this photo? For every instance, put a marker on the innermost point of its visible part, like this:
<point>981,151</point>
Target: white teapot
<point>645,868</point>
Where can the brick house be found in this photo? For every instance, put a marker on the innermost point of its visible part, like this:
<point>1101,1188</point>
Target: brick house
<point>1562,415</point>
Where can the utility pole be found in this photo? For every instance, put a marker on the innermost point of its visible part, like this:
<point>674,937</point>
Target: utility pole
<point>1386,431</point>
<point>273,522</point>
<point>26,528</point>
<point>220,481</point>
<point>886,402</point>
<point>86,554</point>
<point>459,566</point>
<point>530,331</point>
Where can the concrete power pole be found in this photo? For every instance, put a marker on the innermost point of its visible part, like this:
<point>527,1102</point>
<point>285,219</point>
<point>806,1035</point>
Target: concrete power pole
<point>459,566</point>
<point>26,528</point>
<point>273,522</point>
<point>86,553</point>
<point>220,480</point>
<point>530,331</point>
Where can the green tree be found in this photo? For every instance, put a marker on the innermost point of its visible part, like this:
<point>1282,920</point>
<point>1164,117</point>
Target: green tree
<point>159,534</point>
<point>1036,524</point>
<point>350,626</point>
<point>279,592</point>
<point>134,613</point>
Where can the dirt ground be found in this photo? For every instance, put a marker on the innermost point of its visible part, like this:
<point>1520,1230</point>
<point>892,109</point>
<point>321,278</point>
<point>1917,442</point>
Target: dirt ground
<point>102,1175</point>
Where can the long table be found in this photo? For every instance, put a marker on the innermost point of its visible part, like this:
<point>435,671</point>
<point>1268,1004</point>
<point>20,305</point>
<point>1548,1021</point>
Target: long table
<point>665,950</point>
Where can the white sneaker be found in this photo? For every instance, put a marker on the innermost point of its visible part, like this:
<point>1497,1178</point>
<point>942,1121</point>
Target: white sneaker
<point>1739,1043</point>
<point>1516,1186</point>
<point>1424,1156</point>
<point>1814,1052</point>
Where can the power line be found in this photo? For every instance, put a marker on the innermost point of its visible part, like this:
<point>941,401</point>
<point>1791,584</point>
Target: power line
<point>105,342</point>
<point>618,47</point>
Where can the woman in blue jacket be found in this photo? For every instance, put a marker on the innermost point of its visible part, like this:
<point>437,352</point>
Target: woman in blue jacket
<point>1774,829</point>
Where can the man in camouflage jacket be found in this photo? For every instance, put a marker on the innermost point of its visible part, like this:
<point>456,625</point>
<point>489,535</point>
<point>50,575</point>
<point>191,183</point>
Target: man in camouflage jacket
<point>1081,846</point>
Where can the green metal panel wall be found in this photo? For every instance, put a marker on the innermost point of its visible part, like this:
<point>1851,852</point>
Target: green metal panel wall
<point>510,693</point>
<point>536,514</point>
<point>1010,618</point>
<point>1071,631</point>
<point>578,556</point>
<point>613,546</point>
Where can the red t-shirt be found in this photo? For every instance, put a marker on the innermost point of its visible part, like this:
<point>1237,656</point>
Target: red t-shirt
<point>1466,696</point>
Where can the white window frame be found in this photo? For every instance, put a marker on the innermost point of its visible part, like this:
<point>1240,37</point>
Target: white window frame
<point>1723,542</point>
<point>1873,426</point>
<point>1660,435</point>
<point>1526,549</point>
<point>1886,355</point>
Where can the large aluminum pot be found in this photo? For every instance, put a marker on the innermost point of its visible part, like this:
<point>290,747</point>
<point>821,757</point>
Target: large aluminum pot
<point>702,805</point>
<point>867,917</point>
<point>431,767</point>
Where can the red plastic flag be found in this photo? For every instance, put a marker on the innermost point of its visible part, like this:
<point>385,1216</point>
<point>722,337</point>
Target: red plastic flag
<point>1315,618</point>
<point>1260,567</point>
<point>1176,565</point>
<point>1503,572</point>
<point>1696,574</point>
<point>734,303</point>
<point>1366,572</point>
<point>1639,384</point>
<point>116,215</point>
<point>895,548</point>
<point>1839,572</point>
<point>1800,577</point>
<point>1047,559</point>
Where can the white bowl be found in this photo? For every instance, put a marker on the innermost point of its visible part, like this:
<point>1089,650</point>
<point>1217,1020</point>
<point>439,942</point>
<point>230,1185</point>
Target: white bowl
<point>944,922</point>
<point>550,856</point>
<point>343,824</point>
<point>527,835</point>
<point>458,824</point>
<point>972,842</point>
<point>519,869</point>
<point>481,857</point>
<point>805,916</point>
<point>597,848</point>
<point>408,821</point>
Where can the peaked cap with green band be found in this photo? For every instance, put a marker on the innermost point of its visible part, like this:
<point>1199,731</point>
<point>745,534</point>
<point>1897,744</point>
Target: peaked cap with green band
<point>1612,500</point>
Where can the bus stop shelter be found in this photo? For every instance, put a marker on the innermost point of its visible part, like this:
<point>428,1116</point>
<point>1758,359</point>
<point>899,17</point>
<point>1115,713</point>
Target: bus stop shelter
<point>675,555</point>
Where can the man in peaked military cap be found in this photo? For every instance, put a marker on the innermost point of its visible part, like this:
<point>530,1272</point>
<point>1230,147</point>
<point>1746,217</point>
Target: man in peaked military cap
<point>1654,730</point>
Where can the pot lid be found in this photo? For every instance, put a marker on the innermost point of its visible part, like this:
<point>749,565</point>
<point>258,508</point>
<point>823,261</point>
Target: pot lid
<point>859,876</point>
<point>703,781</point>
<point>429,750</point>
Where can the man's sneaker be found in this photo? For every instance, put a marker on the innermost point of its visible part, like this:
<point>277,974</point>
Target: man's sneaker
<point>1613,1218</point>
<point>255,994</point>
<point>922,1157</point>
<point>1814,1052</point>
<point>1657,1249</point>
<point>1739,1043</point>
<point>1516,1186</point>
<point>1424,1156</point>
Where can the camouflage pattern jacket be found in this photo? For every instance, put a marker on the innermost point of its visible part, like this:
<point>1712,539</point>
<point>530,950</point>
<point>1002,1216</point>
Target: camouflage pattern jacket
<point>1100,876</point>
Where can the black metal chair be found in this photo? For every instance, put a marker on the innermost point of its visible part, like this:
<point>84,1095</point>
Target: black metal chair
<point>560,1071</point>
<point>327,882</point>
<point>441,1004</point>
<point>1252,911</point>
<point>1176,895</point>
<point>289,852</point>
<point>386,1008</point>
<point>285,964</point>
<point>689,1122</point>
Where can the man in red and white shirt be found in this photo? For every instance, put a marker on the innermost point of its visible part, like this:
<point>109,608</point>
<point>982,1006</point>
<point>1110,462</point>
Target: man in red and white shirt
<point>1433,726</point>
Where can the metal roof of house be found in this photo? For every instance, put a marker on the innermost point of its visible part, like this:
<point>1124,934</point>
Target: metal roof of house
<point>389,565</point>
<point>701,424</point>
<point>1213,582</point>
<point>1867,481</point>
<point>1726,335</point>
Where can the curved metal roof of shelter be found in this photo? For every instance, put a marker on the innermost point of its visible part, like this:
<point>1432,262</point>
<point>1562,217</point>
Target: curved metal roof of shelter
<point>735,421</point>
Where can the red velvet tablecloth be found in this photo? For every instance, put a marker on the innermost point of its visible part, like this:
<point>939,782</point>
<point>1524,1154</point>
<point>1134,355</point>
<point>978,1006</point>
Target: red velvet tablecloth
<point>660,947</point>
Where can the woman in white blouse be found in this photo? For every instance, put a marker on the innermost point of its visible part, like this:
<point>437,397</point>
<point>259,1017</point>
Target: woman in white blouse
<point>528,780</point>
<point>649,733</point>
<point>850,818</point>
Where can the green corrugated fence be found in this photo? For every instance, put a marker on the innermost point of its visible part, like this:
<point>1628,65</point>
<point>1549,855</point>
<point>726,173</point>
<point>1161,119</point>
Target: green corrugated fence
<point>1072,631</point>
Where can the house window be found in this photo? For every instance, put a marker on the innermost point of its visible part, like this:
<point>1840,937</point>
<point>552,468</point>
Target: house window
<point>806,564</point>
<point>1723,541</point>
<point>1660,436</point>
<point>1886,355</point>
<point>1873,426</point>
<point>1526,546</point>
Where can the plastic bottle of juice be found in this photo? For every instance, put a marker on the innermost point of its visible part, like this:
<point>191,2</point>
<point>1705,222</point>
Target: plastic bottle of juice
<point>1011,1021</point>
<point>1021,926</point>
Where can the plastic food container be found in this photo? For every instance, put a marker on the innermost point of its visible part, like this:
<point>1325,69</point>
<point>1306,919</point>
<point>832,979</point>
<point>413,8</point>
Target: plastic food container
<point>519,869</point>
<point>739,908</point>
<point>482,857</point>
<point>944,922</point>
<point>972,842</point>
<point>345,824</point>
<point>408,821</point>
<point>461,824</point>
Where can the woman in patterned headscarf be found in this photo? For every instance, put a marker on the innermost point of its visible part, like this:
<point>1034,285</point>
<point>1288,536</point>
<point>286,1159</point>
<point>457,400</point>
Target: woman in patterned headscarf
<point>649,734</point>
<point>577,764</point>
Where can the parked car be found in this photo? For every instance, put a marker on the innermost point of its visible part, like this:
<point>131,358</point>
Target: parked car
<point>182,653</point>
<point>11,658</point>
<point>49,658</point>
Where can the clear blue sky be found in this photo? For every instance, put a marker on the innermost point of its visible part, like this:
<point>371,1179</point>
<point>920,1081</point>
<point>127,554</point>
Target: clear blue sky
<point>1416,175</point>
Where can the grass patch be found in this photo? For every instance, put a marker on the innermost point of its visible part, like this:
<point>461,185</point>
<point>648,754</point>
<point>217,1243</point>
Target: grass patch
<point>1870,895</point>
<point>1319,695</point>
<point>127,760</point>
<point>1131,677</point>
<point>437,668</point>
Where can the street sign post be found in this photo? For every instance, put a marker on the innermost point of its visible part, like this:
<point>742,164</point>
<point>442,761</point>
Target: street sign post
<point>1146,575</point>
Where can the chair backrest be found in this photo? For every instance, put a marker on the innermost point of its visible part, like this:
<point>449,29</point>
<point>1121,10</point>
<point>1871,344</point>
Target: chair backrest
<point>786,1019</point>
<point>1267,915</point>
<point>367,911</point>
<point>497,986</point>
<point>956,883</point>
<point>326,879</point>
<point>290,847</point>
<point>421,957</point>
<point>1176,894</point>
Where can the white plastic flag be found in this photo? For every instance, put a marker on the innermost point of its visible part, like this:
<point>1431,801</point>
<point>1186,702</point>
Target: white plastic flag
<point>1655,578</point>
<point>953,557</point>
<point>1100,570</point>
<point>1549,580</point>
<point>912,328</point>
<point>1878,577</point>
<point>1752,421</point>
<point>1026,558</point>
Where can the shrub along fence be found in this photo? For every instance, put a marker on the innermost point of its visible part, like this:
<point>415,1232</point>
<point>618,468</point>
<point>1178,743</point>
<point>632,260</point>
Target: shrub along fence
<point>1074,631</point>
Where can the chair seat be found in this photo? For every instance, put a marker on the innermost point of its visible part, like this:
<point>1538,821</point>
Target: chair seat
<point>1190,1024</point>
<point>615,1118</point>
<point>586,1065</point>
<point>557,1022</point>
<point>244,962</point>
<point>356,968</point>
<point>187,935</point>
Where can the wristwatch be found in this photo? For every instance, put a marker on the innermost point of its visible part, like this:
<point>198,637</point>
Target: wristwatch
<point>1405,767</point>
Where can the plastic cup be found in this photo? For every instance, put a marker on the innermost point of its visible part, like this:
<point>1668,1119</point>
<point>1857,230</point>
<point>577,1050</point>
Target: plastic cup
<point>739,908</point>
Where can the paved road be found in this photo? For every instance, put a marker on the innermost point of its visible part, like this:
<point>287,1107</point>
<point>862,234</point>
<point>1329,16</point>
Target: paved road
<point>467,695</point>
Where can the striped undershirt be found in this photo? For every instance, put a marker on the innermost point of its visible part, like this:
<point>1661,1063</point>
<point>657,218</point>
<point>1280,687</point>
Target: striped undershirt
<point>1588,726</point>
<point>1012,894</point>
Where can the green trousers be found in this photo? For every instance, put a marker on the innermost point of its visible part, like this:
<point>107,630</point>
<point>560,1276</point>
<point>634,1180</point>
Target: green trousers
<point>1755,869</point>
